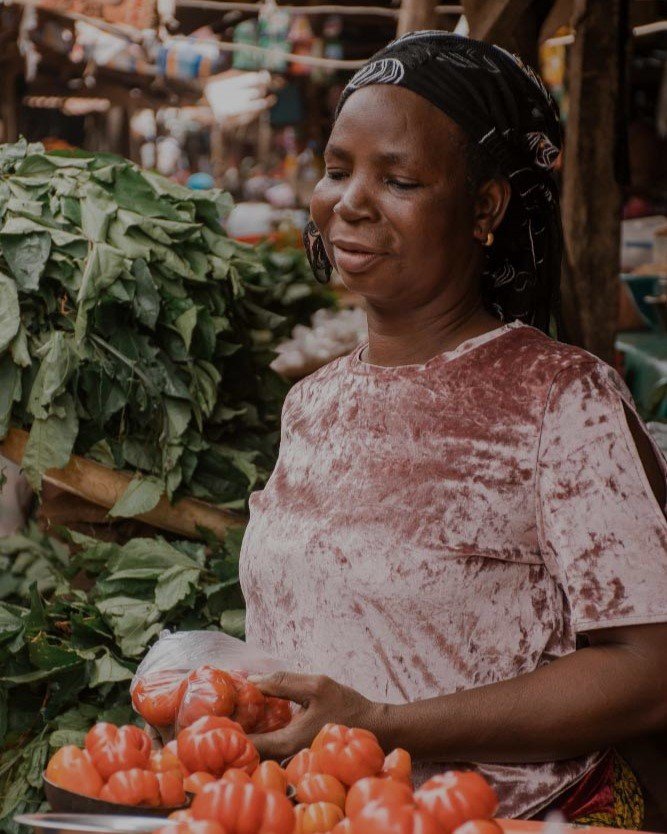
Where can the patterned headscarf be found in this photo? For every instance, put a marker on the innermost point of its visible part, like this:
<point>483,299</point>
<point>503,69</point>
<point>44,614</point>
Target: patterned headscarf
<point>504,108</point>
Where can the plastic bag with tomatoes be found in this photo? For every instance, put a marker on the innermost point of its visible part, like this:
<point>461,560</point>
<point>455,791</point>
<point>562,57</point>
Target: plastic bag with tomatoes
<point>188,675</point>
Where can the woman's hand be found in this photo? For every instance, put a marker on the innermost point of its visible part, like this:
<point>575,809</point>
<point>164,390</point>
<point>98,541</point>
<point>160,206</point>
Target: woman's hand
<point>322,701</point>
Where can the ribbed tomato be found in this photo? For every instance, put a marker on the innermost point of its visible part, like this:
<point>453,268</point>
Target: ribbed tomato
<point>244,809</point>
<point>277,714</point>
<point>305,761</point>
<point>157,697</point>
<point>271,776</point>
<point>479,827</point>
<point>215,744</point>
<point>196,781</point>
<point>320,787</point>
<point>209,691</point>
<point>72,769</point>
<point>164,760</point>
<point>172,791</point>
<point>374,789</point>
<point>250,702</point>
<point>181,816</point>
<point>347,753</point>
<point>397,765</point>
<point>238,777</point>
<point>193,827</point>
<point>377,818</point>
<point>132,787</point>
<point>456,797</point>
<point>317,818</point>
<point>114,748</point>
<point>343,827</point>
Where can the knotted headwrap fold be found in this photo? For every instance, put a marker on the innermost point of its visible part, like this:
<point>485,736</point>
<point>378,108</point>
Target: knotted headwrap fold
<point>503,107</point>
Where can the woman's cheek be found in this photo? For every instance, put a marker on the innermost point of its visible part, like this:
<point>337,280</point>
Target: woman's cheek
<point>324,198</point>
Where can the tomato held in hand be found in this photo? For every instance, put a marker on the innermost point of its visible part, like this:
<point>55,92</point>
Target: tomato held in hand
<point>132,787</point>
<point>250,702</point>
<point>214,745</point>
<point>270,776</point>
<point>456,797</point>
<point>72,769</point>
<point>317,818</point>
<point>398,765</point>
<point>374,789</point>
<point>244,809</point>
<point>196,781</point>
<point>305,761</point>
<point>320,787</point>
<point>157,697</point>
<point>479,827</point>
<point>277,714</point>
<point>172,791</point>
<point>377,818</point>
<point>193,827</point>
<point>114,748</point>
<point>347,753</point>
<point>208,691</point>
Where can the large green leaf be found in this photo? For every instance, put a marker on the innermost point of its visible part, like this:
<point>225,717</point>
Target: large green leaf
<point>51,441</point>
<point>26,256</point>
<point>141,495</point>
<point>10,316</point>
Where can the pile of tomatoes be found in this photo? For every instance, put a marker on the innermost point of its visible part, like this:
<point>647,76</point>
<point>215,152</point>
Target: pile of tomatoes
<point>343,783</point>
<point>171,699</point>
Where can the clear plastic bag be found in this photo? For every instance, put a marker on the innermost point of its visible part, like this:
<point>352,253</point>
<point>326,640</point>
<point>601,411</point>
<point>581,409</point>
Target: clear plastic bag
<point>164,686</point>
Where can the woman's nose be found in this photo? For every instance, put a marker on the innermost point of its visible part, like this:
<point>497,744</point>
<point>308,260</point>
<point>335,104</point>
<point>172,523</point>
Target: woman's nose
<point>355,202</point>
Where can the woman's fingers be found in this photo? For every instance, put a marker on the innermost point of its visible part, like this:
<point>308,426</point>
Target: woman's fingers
<point>294,687</point>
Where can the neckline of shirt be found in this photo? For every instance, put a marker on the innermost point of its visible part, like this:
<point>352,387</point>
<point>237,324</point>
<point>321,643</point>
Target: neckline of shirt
<point>357,364</point>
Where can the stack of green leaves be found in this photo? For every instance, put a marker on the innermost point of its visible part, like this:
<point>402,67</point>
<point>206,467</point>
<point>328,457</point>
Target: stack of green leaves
<point>133,330</point>
<point>73,627</point>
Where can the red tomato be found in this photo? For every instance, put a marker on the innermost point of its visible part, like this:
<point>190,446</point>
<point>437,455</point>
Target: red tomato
<point>320,787</point>
<point>181,816</point>
<point>277,714</point>
<point>132,787</point>
<point>196,781</point>
<point>192,827</point>
<point>163,760</point>
<point>479,827</point>
<point>343,827</point>
<point>172,791</point>
<point>374,789</point>
<point>238,777</point>
<point>348,754</point>
<point>317,818</point>
<point>250,702</point>
<point>72,769</point>
<point>208,691</point>
<point>398,765</point>
<point>244,809</point>
<point>271,776</point>
<point>377,818</point>
<point>305,761</point>
<point>214,745</point>
<point>114,748</point>
<point>157,697</point>
<point>456,797</point>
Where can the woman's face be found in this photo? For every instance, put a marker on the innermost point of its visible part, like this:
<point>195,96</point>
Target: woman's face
<point>403,224</point>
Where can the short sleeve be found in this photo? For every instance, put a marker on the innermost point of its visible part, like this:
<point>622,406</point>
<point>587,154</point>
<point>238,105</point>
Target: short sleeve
<point>602,533</point>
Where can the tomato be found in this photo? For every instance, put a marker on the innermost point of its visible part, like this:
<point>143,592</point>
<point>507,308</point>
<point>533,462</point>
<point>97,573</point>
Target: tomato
<point>157,697</point>
<point>398,765</point>
<point>208,691</point>
<point>114,748</point>
<point>196,781</point>
<point>374,789</point>
<point>239,777</point>
<point>271,776</point>
<point>343,827</point>
<point>277,714</point>
<point>214,744</point>
<point>181,816</point>
<point>377,818</point>
<point>172,791</point>
<point>163,760</point>
<point>244,809</point>
<point>320,787</point>
<point>250,702</point>
<point>317,818</point>
<point>348,754</point>
<point>305,761</point>
<point>72,769</point>
<point>456,797</point>
<point>479,827</point>
<point>132,787</point>
<point>192,827</point>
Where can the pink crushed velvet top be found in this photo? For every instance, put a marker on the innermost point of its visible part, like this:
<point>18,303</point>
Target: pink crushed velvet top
<point>432,528</point>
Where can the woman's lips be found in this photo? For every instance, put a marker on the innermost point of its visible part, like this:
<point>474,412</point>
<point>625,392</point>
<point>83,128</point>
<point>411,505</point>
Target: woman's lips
<point>353,261</point>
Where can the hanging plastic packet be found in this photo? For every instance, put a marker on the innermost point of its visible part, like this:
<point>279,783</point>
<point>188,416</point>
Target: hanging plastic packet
<point>192,674</point>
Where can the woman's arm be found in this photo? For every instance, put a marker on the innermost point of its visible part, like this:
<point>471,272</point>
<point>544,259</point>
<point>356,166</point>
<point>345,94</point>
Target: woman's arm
<point>610,691</point>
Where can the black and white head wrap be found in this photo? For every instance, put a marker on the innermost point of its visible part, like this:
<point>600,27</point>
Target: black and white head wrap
<point>504,109</point>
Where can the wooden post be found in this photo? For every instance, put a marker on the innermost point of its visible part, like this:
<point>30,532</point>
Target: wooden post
<point>591,191</point>
<point>416,14</point>
<point>513,24</point>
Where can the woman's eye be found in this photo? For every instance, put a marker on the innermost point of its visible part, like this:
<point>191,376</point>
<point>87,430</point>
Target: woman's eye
<point>335,175</point>
<point>402,185</point>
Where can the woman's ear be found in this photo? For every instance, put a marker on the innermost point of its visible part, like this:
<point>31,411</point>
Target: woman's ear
<point>491,203</point>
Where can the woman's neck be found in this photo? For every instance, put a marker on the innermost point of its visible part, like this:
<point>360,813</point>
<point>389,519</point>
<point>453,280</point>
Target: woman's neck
<point>412,337</point>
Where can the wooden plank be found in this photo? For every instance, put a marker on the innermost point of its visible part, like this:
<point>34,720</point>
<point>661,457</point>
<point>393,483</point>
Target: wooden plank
<point>416,14</point>
<point>103,486</point>
<point>591,192</point>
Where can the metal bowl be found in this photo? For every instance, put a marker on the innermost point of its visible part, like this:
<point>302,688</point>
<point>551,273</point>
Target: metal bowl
<point>67,802</point>
<point>91,823</point>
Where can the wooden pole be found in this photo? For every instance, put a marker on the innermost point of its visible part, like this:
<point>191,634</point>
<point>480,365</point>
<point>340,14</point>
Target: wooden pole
<point>416,14</point>
<point>591,190</point>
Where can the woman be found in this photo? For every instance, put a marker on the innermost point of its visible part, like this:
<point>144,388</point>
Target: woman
<point>462,502</point>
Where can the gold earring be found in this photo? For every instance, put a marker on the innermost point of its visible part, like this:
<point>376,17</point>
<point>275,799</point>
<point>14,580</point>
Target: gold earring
<point>489,240</point>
